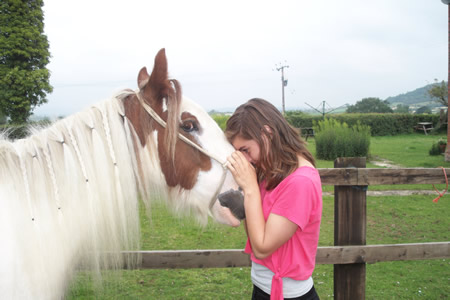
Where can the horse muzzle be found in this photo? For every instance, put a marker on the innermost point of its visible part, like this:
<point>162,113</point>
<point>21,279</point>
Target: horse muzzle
<point>234,201</point>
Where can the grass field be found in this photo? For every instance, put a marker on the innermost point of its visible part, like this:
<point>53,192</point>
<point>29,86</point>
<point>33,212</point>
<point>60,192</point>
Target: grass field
<point>408,151</point>
<point>393,219</point>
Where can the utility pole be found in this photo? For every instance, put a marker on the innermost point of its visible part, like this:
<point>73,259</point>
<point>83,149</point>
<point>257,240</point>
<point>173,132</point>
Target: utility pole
<point>447,151</point>
<point>283,84</point>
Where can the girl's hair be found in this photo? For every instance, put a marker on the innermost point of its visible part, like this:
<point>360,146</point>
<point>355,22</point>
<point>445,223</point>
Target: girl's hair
<point>280,144</point>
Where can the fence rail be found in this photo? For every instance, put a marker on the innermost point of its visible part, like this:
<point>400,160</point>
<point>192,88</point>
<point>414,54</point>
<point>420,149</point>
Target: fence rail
<point>363,176</point>
<point>186,259</point>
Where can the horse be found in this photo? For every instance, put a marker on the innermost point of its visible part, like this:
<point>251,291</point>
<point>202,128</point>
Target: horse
<point>69,193</point>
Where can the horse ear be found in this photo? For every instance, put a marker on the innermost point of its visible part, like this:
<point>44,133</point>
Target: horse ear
<point>157,84</point>
<point>143,78</point>
<point>159,78</point>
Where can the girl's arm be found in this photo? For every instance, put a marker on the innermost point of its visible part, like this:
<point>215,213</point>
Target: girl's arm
<point>265,237</point>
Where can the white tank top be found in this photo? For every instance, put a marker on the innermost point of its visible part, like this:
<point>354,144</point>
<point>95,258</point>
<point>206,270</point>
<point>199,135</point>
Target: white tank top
<point>262,278</point>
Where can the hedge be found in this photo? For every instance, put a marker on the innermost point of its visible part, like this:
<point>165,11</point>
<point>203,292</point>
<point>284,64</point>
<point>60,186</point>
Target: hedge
<point>380,124</point>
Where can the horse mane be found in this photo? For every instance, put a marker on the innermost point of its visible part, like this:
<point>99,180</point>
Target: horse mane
<point>79,181</point>
<point>173,108</point>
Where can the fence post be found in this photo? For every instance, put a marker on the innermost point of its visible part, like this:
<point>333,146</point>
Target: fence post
<point>350,229</point>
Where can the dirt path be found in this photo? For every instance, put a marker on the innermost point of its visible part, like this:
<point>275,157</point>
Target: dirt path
<point>381,162</point>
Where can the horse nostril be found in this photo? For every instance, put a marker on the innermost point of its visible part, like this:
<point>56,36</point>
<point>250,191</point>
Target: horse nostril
<point>234,200</point>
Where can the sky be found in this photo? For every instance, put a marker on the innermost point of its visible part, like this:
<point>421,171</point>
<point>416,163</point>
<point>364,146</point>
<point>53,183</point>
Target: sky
<point>227,52</point>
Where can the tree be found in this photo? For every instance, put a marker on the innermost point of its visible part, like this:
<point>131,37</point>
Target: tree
<point>423,110</point>
<point>370,105</point>
<point>2,118</point>
<point>402,109</point>
<point>439,92</point>
<point>24,55</point>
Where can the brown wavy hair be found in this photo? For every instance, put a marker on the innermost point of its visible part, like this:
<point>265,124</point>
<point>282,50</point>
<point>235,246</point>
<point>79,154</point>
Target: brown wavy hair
<point>278,157</point>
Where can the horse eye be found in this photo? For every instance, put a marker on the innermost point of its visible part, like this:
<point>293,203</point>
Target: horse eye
<point>189,126</point>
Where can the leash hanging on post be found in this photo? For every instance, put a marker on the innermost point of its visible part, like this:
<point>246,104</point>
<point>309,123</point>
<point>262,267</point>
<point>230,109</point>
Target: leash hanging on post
<point>435,200</point>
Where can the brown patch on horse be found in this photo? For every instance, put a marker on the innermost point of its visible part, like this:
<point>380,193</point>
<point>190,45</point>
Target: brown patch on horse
<point>188,161</point>
<point>139,118</point>
<point>180,162</point>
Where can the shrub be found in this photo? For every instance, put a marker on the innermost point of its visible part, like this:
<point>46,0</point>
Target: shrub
<point>435,149</point>
<point>221,120</point>
<point>335,139</point>
<point>438,147</point>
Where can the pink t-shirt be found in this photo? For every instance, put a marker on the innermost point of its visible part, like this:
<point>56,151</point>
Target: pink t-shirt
<point>299,199</point>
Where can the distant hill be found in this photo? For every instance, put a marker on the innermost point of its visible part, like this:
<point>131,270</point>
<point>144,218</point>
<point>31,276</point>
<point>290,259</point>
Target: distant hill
<point>417,97</point>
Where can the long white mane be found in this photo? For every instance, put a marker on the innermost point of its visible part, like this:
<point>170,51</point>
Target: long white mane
<point>69,192</point>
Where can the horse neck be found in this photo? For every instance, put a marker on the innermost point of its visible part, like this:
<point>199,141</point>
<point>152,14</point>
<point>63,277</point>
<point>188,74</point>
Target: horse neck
<point>75,187</point>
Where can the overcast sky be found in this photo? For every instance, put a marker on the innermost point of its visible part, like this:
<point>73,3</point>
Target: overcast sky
<point>226,52</point>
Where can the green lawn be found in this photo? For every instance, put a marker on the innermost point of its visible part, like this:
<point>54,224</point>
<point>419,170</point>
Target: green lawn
<point>393,219</point>
<point>408,151</point>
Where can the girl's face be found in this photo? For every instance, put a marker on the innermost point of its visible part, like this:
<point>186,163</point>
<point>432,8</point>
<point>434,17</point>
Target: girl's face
<point>249,148</point>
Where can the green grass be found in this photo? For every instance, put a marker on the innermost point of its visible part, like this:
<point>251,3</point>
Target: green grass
<point>394,219</point>
<point>390,220</point>
<point>408,151</point>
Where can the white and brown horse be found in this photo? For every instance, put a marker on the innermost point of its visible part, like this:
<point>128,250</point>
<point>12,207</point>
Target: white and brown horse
<point>70,192</point>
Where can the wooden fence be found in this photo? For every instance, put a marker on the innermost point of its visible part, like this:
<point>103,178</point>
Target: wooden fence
<point>350,252</point>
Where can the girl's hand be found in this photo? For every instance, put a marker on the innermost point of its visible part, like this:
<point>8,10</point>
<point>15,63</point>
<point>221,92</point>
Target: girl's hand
<point>243,171</point>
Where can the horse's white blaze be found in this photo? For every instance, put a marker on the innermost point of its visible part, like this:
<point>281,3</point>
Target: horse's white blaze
<point>212,139</point>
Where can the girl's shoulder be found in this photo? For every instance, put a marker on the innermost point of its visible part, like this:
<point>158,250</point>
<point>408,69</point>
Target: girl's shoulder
<point>301,176</point>
<point>304,171</point>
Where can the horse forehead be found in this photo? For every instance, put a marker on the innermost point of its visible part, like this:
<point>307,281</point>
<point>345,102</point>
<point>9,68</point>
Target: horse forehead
<point>212,137</point>
<point>187,105</point>
<point>210,129</point>
<point>206,122</point>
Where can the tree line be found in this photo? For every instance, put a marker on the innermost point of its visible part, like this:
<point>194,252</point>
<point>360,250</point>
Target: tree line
<point>437,92</point>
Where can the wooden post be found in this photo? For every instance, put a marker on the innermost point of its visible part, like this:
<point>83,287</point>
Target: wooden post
<point>447,152</point>
<point>350,229</point>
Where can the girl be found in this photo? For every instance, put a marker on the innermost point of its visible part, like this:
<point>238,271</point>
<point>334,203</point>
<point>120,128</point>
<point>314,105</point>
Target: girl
<point>282,200</point>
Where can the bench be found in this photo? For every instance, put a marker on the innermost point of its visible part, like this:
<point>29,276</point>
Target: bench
<point>306,132</point>
<point>424,126</point>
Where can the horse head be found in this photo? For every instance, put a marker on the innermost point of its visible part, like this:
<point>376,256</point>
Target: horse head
<point>191,148</point>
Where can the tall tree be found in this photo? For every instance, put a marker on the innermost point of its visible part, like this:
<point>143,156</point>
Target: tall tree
<point>438,91</point>
<point>370,105</point>
<point>24,55</point>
